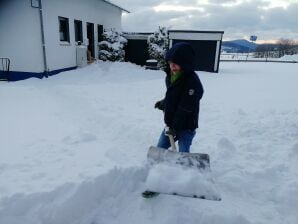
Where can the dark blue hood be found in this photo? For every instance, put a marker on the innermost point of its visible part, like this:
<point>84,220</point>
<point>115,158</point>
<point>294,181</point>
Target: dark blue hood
<point>182,54</point>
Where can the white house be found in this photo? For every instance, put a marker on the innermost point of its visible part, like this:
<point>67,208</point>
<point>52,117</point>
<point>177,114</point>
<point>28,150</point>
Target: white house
<point>41,37</point>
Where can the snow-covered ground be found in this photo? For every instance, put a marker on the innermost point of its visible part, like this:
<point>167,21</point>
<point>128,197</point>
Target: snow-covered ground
<point>290,57</point>
<point>73,146</point>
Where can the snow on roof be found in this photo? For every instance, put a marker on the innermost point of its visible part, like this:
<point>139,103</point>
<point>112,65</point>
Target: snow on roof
<point>109,2</point>
<point>196,31</point>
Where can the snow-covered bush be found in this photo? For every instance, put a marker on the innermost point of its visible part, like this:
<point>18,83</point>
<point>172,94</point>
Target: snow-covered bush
<point>112,46</point>
<point>158,45</point>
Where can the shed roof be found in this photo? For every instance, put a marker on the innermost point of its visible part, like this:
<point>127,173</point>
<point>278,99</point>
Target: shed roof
<point>137,35</point>
<point>196,31</point>
<point>196,35</point>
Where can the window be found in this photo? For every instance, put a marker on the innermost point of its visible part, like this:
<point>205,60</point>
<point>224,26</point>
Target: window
<point>100,32</point>
<point>78,31</point>
<point>64,29</point>
<point>35,4</point>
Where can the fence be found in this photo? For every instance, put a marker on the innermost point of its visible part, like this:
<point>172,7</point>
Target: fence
<point>276,54</point>
<point>4,64</point>
<point>270,56</point>
<point>4,68</point>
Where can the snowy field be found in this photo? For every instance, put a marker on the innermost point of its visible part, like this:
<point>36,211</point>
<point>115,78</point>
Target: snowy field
<point>73,147</point>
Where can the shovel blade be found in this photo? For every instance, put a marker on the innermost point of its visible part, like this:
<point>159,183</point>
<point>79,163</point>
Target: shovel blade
<point>160,155</point>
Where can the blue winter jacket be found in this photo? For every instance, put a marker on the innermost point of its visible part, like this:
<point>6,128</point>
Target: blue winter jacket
<point>181,104</point>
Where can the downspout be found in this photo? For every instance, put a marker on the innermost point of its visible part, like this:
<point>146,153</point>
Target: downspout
<point>43,40</point>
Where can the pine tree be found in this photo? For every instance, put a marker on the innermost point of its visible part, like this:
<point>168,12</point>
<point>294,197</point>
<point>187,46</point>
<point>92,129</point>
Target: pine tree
<point>158,45</point>
<point>112,46</point>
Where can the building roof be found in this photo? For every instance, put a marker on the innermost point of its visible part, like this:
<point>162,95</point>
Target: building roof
<point>196,35</point>
<point>136,35</point>
<point>196,31</point>
<point>107,1</point>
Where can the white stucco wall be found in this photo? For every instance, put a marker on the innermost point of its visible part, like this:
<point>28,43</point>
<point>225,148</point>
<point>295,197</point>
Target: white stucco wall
<point>59,55</point>
<point>20,37</point>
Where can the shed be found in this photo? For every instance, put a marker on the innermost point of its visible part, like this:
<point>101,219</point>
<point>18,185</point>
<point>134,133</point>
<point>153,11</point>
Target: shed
<point>136,49</point>
<point>207,45</point>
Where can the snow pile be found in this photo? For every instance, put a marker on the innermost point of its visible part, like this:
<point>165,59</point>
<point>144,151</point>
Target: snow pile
<point>96,201</point>
<point>171,179</point>
<point>73,146</point>
<point>289,57</point>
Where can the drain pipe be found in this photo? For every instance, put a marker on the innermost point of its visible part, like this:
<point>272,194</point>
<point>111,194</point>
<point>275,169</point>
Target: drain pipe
<point>43,40</point>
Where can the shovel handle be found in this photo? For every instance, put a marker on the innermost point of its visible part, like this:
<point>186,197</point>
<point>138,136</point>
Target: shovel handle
<point>173,145</point>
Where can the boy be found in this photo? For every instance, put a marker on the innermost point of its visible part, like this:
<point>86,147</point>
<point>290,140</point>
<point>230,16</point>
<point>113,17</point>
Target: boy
<point>181,104</point>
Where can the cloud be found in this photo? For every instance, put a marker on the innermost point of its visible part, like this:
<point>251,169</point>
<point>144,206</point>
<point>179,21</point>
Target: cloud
<point>272,19</point>
<point>281,18</point>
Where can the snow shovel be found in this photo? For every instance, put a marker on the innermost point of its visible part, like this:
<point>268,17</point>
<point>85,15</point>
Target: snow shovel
<point>187,182</point>
<point>158,155</point>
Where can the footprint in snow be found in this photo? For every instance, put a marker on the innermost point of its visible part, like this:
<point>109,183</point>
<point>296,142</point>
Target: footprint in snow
<point>226,146</point>
<point>81,138</point>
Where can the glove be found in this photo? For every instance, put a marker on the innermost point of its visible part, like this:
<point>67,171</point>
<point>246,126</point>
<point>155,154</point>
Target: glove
<point>159,105</point>
<point>170,131</point>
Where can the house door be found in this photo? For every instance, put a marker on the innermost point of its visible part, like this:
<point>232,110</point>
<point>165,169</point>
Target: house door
<point>205,53</point>
<point>136,51</point>
<point>90,36</point>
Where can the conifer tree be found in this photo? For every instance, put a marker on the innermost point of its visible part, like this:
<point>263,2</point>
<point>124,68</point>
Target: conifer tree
<point>112,46</point>
<point>158,45</point>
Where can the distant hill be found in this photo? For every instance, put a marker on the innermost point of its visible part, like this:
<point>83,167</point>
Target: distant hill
<point>238,46</point>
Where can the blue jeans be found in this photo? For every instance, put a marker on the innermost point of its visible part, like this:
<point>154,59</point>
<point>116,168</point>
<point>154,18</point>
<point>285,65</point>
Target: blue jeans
<point>183,137</point>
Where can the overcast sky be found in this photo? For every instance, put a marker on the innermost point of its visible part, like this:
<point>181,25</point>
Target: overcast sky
<point>268,19</point>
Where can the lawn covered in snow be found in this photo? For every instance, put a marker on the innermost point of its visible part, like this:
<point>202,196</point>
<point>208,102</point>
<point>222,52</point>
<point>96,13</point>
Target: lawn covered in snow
<point>73,146</point>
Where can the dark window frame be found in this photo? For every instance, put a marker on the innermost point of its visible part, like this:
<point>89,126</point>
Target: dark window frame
<point>78,29</point>
<point>35,4</point>
<point>100,31</point>
<point>64,29</point>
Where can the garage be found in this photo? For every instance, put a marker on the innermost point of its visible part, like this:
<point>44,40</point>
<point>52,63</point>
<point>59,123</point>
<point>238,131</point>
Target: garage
<point>207,45</point>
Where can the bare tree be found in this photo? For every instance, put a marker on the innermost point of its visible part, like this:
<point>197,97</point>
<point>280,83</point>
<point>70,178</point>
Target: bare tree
<point>263,50</point>
<point>286,46</point>
<point>282,47</point>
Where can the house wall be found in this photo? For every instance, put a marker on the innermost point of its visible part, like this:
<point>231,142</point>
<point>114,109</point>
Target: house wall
<point>20,32</point>
<point>20,37</point>
<point>61,55</point>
